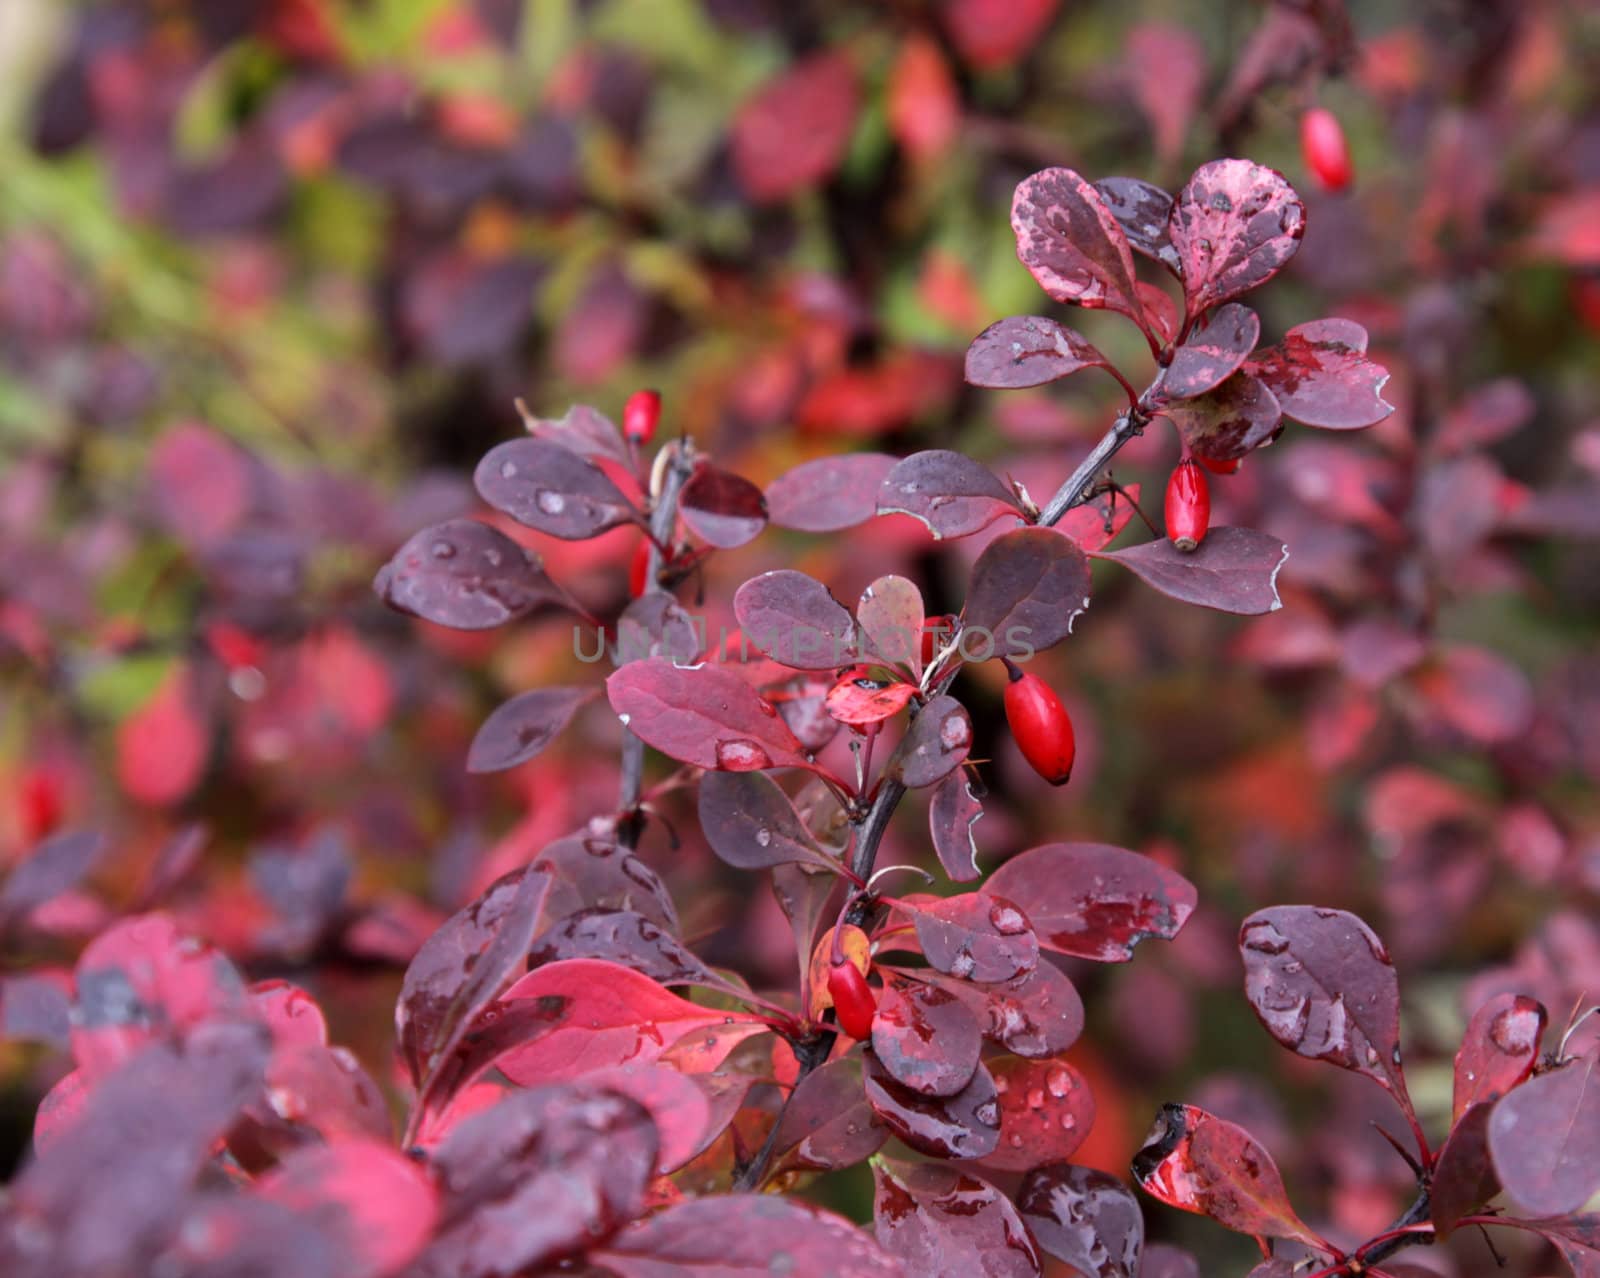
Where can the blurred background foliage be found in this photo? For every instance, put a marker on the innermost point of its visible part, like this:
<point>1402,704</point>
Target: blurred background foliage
<point>273,272</point>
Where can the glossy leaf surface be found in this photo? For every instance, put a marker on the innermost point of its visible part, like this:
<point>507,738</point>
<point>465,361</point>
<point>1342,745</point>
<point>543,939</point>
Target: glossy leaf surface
<point>953,812</point>
<point>1498,1050</point>
<point>519,729</point>
<point>544,486</point>
<point>1545,1138</point>
<point>1235,225</point>
<point>751,824</point>
<point>1028,350</point>
<point>966,1125</point>
<point>1320,375</point>
<point>1028,587</point>
<point>705,715</point>
<point>1046,1111</point>
<point>1088,1219</point>
<point>829,494</point>
<point>950,493</point>
<point>794,620</point>
<point>465,575</point>
<point>925,1037</point>
<point>1072,245</point>
<point>1234,570</point>
<point>938,1219</point>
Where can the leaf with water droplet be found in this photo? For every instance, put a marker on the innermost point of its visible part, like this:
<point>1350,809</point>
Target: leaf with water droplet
<point>940,1220</point>
<point>1143,211</point>
<point>1211,354</point>
<point>1046,1111</point>
<point>950,493</point>
<point>1028,350</point>
<point>830,493</point>
<point>628,938</point>
<point>608,877</point>
<point>519,729</point>
<point>827,1123</point>
<point>794,620</point>
<point>966,1125</point>
<point>1234,225</point>
<point>889,616</point>
<point>952,813</point>
<point>751,824</point>
<point>465,575</point>
<point>934,746</point>
<point>1072,245</point>
<point>547,487</point>
<point>721,508</point>
<point>1498,1050</point>
<point>926,1038</point>
<point>1230,420</point>
<point>1320,375</point>
<point>977,936</point>
<point>1087,1218</point>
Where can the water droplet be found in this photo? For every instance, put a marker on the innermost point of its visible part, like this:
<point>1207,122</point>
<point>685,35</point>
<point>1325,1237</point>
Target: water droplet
<point>1006,920</point>
<point>508,470</point>
<point>552,503</point>
<point>963,964</point>
<point>1035,1097</point>
<point>442,550</point>
<point>1515,1031</point>
<point>1068,1122</point>
<point>1016,1140</point>
<point>1059,1082</point>
<point>739,755</point>
<point>764,837</point>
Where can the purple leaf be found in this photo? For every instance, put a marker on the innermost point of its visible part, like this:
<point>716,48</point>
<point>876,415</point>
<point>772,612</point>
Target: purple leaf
<point>1321,982</point>
<point>1234,226</point>
<point>952,814</point>
<point>1072,245</point>
<point>966,1125</point>
<point>522,727</point>
<point>827,1124</point>
<point>1144,213</point>
<point>950,493</point>
<point>703,715</point>
<point>1212,353</point>
<point>1545,1138</point>
<point>939,1220</point>
<point>934,746</point>
<point>750,823</point>
<point>722,508</point>
<point>1087,1218</point>
<point>1027,350</point>
<point>829,494</point>
<point>607,877</point>
<point>55,866</point>
<point>628,939</point>
<point>656,625</point>
<point>1230,421</point>
<point>582,430</point>
<point>926,1038</point>
<point>975,936</point>
<point>1037,1014</point>
<point>1162,1261</point>
<point>1028,587</point>
<point>1498,1050</point>
<point>1463,1174</point>
<point>1095,901</point>
<point>1235,570</point>
<point>547,487</point>
<point>465,575</point>
<point>1577,1238</point>
<point>1321,376</point>
<point>889,616</point>
<point>1046,1111</point>
<point>794,620</point>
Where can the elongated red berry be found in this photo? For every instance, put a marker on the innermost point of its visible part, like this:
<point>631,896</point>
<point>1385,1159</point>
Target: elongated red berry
<point>1324,149</point>
<point>1188,505</point>
<point>854,1003</point>
<point>640,415</point>
<point>1041,726</point>
<point>639,568</point>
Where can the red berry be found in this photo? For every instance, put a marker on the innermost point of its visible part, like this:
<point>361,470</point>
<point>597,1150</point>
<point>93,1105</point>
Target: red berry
<point>1324,149</point>
<point>40,803</point>
<point>1041,726</point>
<point>640,415</point>
<point>854,1003</point>
<point>1219,467</point>
<point>1188,505</point>
<point>639,569</point>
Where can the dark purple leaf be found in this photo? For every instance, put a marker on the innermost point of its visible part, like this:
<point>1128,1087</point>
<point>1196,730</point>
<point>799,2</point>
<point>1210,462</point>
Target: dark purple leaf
<point>681,1109</point>
<point>1028,350</point>
<point>465,964</point>
<point>925,1037</point>
<point>1072,245</point>
<point>608,877</point>
<point>827,1124</point>
<point>35,1008</point>
<point>628,939</point>
<point>950,493</point>
<point>552,489</point>
<point>1162,1261</point>
<point>1226,423</point>
<point>703,715</point>
<point>55,866</point>
<point>1321,376</point>
<point>1545,1138</point>
<point>1144,213</point>
<point>1277,1267</point>
<point>751,824</point>
<point>465,575</point>
<point>722,508</point>
<point>935,744</point>
<point>794,620</point>
<point>1212,353</point>
<point>1046,1111</point>
<point>1197,1162</point>
<point>1577,1238</point>
<point>1463,1174</point>
<point>976,936</point>
<point>1037,1014</point>
<point>1321,982</point>
<point>952,814</point>
<point>1457,505</point>
<point>582,430</point>
<point>829,494</point>
<point>1087,1218</point>
<point>522,727</point>
<point>656,625</point>
<point>966,1125</point>
<point>1498,1050</point>
<point>1234,226</point>
<point>1095,901</point>
<point>743,1236</point>
<point>1234,570</point>
<point>939,1220</point>
<point>889,616</point>
<point>1027,589</point>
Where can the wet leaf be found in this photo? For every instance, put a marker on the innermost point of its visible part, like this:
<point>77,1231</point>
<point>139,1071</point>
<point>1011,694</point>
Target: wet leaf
<point>1234,225</point>
<point>290,1013</point>
<point>679,1107</point>
<point>549,488</point>
<point>794,620</point>
<point>827,1124</point>
<point>1072,245</point>
<point>1212,353</point>
<point>950,493</point>
<point>722,508</point>
<point>1320,375</point>
<point>626,938</point>
<point>656,625</point>
<point>1037,1014</point>
<point>1028,350</point>
<point>751,824</point>
<point>1095,901</point>
<point>704,715</point>
<point>829,494</point>
<point>966,1125</point>
<point>937,1219</point>
<point>1463,1173</point>
<point>1234,570</point>
<point>889,617</point>
<point>1046,1111</point>
<point>1197,1162</point>
<point>1545,1138</point>
<point>934,746</point>
<point>952,813</point>
<point>324,1090</point>
<point>1322,984</point>
<point>1230,420</point>
<point>607,877</point>
<point>976,936</point>
<point>1087,1218</point>
<point>465,575</point>
<point>863,701</point>
<point>1027,589</point>
<point>925,1037</point>
<point>1498,1050</point>
<point>521,728</point>
<point>1143,212</point>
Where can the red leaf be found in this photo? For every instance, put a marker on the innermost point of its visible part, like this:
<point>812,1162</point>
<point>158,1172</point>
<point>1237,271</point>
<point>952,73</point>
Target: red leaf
<point>547,487</point>
<point>608,877</point>
<point>290,1013</point>
<point>830,493</point>
<point>678,1106</point>
<point>793,133</point>
<point>1097,523</point>
<point>939,1220</point>
<point>582,430</point>
<point>1037,1014</point>
<point>521,728</point>
<point>950,493</point>
<point>162,746</point>
<point>966,1125</point>
<point>952,814</point>
<point>1545,1138</point>
<point>925,1037</point>
<point>1046,1111</point>
<point>1027,588</point>
<point>1211,355</point>
<point>1095,901</point>
<point>628,938</point>
<point>1498,1050</point>
<point>1087,1218</point>
<point>1234,570</point>
<point>996,33</point>
<point>794,620</point>
<point>924,104</point>
<point>1072,245</point>
<point>1463,1173</point>
<point>1478,693</point>
<point>1321,376</point>
<point>1027,350</point>
<point>1234,225</point>
<point>465,575</point>
<point>721,508</point>
<point>1166,70</point>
